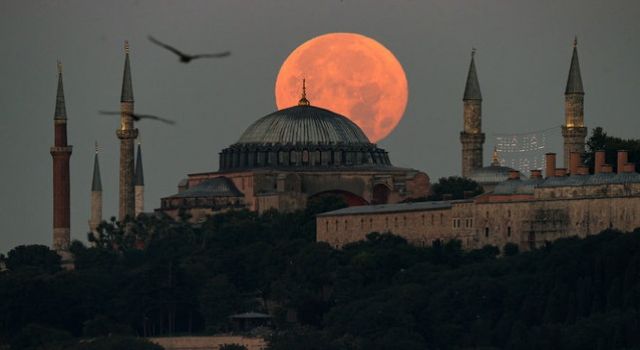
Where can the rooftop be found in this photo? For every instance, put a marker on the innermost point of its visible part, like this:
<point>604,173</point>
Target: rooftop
<point>391,208</point>
<point>303,124</point>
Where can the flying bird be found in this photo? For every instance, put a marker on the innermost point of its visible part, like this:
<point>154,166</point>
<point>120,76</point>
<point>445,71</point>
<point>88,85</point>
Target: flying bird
<point>186,58</point>
<point>139,117</point>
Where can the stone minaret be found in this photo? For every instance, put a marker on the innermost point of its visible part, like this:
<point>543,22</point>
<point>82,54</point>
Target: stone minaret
<point>472,137</point>
<point>139,183</point>
<point>127,134</point>
<point>61,153</point>
<point>96,195</point>
<point>574,131</point>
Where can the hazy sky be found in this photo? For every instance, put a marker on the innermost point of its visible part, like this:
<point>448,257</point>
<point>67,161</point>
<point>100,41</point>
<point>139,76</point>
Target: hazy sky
<point>524,49</point>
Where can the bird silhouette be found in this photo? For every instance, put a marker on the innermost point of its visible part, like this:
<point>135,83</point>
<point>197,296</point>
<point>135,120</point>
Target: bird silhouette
<point>139,117</point>
<point>186,58</point>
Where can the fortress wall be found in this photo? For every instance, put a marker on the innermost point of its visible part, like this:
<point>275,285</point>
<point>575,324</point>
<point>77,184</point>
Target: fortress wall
<point>417,227</point>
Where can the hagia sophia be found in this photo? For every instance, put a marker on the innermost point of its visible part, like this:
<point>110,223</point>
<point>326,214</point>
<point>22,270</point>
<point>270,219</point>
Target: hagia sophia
<point>292,155</point>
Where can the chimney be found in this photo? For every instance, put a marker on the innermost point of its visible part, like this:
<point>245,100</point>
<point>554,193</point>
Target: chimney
<point>629,168</point>
<point>607,169</point>
<point>574,162</point>
<point>467,194</point>
<point>514,175</point>
<point>597,167</point>
<point>447,197</point>
<point>536,174</point>
<point>561,172</point>
<point>622,160</point>
<point>550,163</point>
<point>583,170</point>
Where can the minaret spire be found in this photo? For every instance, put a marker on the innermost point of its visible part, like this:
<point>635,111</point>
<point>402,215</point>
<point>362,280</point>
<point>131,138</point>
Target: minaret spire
<point>574,81</point>
<point>96,195</point>
<point>61,110</point>
<point>472,137</point>
<point>96,182</point>
<point>472,88</point>
<point>61,154</point>
<point>139,183</point>
<point>127,133</point>
<point>127,85</point>
<point>573,131</point>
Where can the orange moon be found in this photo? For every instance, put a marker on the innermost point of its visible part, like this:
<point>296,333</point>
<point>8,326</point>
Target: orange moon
<point>349,74</point>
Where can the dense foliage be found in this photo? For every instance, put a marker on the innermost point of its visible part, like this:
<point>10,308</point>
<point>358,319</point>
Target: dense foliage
<point>599,140</point>
<point>378,294</point>
<point>451,188</point>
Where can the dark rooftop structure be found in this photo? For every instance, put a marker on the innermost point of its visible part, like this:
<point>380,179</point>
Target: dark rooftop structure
<point>217,187</point>
<point>392,208</point>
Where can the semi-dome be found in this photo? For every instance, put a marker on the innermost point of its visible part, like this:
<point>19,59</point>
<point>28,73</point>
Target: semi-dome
<point>303,124</point>
<point>490,174</point>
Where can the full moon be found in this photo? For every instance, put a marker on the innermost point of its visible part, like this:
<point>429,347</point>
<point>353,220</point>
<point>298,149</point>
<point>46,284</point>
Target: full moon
<point>349,74</point>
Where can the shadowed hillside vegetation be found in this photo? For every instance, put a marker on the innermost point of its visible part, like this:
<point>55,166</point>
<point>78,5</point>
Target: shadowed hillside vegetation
<point>378,294</point>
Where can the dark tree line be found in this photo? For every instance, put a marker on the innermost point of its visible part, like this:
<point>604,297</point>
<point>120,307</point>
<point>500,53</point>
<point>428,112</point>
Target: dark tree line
<point>599,140</point>
<point>381,293</point>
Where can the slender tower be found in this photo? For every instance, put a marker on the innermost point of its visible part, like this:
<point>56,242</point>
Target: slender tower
<point>573,131</point>
<point>472,137</point>
<point>61,153</point>
<point>139,183</point>
<point>96,195</point>
<point>127,134</point>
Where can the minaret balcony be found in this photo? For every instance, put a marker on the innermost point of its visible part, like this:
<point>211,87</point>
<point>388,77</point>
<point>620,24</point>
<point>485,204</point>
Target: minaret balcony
<point>61,150</point>
<point>127,133</point>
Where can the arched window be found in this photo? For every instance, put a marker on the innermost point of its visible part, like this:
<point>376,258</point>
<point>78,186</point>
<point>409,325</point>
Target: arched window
<point>305,156</point>
<point>486,232</point>
<point>509,231</point>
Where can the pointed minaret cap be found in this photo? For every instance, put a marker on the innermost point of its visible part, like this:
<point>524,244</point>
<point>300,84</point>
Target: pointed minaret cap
<point>127,86</point>
<point>303,99</point>
<point>96,183</point>
<point>139,175</point>
<point>472,89</point>
<point>61,109</point>
<point>574,82</point>
<point>495,159</point>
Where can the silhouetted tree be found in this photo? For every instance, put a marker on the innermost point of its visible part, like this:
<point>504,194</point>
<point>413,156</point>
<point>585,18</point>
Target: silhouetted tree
<point>599,140</point>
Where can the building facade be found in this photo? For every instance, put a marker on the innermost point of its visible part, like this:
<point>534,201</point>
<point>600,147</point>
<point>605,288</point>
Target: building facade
<point>527,212</point>
<point>289,156</point>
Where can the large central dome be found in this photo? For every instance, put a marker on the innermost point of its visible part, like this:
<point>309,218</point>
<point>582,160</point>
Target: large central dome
<point>303,125</point>
<point>303,137</point>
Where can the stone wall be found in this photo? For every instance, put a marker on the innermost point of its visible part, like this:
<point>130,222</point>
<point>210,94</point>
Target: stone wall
<point>208,342</point>
<point>523,220</point>
<point>289,190</point>
<point>418,227</point>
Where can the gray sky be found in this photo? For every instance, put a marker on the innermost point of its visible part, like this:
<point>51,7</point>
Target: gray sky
<point>524,49</point>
